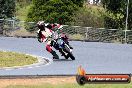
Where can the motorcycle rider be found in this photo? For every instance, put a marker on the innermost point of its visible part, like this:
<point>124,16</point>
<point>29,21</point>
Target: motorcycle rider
<point>45,35</point>
<point>57,28</point>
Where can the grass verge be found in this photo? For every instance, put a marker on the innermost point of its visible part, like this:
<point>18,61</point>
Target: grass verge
<point>74,85</point>
<point>35,81</point>
<point>9,59</point>
<point>54,82</point>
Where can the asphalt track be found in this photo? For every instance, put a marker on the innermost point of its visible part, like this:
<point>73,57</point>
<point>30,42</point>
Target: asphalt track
<point>94,57</point>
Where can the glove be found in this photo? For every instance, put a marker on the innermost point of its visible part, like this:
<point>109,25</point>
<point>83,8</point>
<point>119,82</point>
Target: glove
<point>39,40</point>
<point>39,36</point>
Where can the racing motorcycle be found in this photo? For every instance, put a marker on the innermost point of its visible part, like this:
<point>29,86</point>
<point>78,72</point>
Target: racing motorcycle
<point>63,47</point>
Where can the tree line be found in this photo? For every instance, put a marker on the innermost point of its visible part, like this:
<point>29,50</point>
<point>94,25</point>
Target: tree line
<point>117,12</point>
<point>60,11</point>
<point>63,11</point>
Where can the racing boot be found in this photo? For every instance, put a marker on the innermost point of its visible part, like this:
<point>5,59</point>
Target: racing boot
<point>55,56</point>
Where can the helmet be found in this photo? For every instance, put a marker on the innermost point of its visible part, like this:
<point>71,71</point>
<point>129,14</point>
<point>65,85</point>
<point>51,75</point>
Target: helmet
<point>41,25</point>
<point>49,26</point>
<point>54,25</point>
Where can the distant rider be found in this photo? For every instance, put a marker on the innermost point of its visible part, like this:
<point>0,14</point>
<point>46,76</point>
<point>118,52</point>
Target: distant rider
<point>45,35</point>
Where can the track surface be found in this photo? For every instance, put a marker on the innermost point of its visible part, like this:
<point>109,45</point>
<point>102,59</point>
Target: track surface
<point>94,57</point>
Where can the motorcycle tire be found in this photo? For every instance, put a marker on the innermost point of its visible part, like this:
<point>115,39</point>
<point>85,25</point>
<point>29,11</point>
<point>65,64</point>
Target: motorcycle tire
<point>66,49</point>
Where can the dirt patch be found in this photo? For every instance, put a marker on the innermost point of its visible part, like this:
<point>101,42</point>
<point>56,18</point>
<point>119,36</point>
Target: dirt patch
<point>22,33</point>
<point>36,81</point>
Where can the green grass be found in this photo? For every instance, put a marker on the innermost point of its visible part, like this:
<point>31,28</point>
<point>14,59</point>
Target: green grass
<point>21,13</point>
<point>90,16</point>
<point>74,86</point>
<point>9,59</point>
<point>96,10</point>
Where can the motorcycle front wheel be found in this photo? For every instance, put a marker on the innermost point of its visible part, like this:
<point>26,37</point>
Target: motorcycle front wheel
<point>71,56</point>
<point>67,50</point>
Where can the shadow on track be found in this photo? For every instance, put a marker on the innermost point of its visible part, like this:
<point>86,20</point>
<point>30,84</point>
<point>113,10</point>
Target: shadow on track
<point>62,59</point>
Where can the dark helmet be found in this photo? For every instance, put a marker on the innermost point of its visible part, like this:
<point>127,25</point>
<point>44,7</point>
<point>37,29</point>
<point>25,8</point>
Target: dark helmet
<point>41,25</point>
<point>49,26</point>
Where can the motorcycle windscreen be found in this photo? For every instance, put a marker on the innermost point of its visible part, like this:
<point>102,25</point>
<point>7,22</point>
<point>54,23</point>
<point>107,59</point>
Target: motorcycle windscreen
<point>60,43</point>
